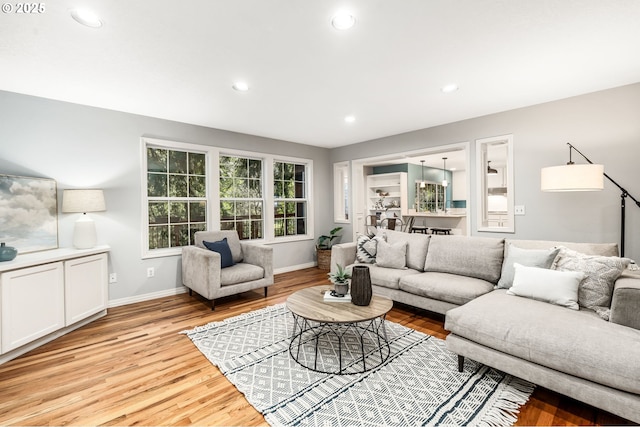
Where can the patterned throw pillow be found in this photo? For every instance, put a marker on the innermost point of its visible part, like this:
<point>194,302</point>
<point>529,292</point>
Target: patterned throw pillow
<point>367,248</point>
<point>601,272</point>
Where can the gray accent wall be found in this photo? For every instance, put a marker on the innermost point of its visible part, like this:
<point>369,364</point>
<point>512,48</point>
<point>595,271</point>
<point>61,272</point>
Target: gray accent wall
<point>604,125</point>
<point>86,147</point>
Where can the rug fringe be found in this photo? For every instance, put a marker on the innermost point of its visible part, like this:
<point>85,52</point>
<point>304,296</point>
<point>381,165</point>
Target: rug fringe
<point>507,406</point>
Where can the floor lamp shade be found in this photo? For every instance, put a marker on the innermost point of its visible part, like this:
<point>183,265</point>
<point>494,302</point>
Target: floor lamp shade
<point>83,201</point>
<point>572,177</point>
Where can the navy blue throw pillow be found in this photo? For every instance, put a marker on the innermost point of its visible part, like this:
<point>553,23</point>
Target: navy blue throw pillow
<point>222,247</point>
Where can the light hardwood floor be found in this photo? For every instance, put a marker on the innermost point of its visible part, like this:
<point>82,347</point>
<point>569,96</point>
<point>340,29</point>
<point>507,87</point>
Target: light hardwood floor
<point>133,367</point>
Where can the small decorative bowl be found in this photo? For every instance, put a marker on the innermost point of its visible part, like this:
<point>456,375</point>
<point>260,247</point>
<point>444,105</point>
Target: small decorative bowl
<point>7,253</point>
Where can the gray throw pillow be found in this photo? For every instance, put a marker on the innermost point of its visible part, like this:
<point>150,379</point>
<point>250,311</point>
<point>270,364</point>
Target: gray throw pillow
<point>542,258</point>
<point>391,255</point>
<point>601,273</point>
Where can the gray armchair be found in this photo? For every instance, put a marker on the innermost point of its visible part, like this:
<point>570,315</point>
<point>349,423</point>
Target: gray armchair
<point>201,271</point>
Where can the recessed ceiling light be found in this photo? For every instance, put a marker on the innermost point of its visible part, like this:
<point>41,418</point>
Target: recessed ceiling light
<point>240,86</point>
<point>343,21</point>
<point>86,17</point>
<point>350,119</point>
<point>449,88</point>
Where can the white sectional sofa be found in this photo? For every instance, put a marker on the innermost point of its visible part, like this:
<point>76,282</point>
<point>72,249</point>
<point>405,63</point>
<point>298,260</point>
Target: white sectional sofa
<point>574,352</point>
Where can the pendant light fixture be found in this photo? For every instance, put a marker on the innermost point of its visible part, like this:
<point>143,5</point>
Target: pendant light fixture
<point>444,172</point>
<point>422,183</point>
<point>490,170</point>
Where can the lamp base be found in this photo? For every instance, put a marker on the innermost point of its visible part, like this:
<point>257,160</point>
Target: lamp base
<point>84,233</point>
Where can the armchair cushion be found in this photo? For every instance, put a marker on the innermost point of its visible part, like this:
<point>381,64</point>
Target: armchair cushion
<point>222,247</point>
<point>232,239</point>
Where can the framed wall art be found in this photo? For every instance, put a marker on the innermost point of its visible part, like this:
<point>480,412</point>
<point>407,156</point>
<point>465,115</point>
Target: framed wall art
<point>28,213</point>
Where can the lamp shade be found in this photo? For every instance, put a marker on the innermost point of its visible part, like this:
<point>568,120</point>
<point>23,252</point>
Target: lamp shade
<point>83,201</point>
<point>572,177</point>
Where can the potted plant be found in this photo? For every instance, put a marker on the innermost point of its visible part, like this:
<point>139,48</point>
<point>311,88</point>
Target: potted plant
<point>323,248</point>
<point>340,279</point>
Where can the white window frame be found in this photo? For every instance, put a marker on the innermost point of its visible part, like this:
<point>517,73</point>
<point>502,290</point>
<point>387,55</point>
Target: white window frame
<point>341,193</point>
<point>213,191</point>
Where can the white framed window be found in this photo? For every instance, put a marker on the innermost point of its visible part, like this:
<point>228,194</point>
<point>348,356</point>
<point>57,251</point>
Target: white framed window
<point>341,192</point>
<point>190,187</point>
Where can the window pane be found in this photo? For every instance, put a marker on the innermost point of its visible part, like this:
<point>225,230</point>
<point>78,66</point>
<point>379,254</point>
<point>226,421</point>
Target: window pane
<point>301,210</point>
<point>156,160</point>
<point>290,209</point>
<point>227,166</point>
<point>302,226</point>
<point>256,210</point>
<point>241,188</point>
<point>255,169</point>
<point>278,170</point>
<point>198,211</point>
<point>158,237</point>
<point>197,164</point>
<point>256,230</point>
<point>227,225</point>
<point>278,189</point>
<point>291,227</point>
<point>192,231</point>
<point>177,186</point>
<point>178,212</point>
<point>156,185</point>
<point>279,227</point>
<point>299,190</point>
<point>242,167</point>
<point>227,210</point>
<point>180,235</point>
<point>177,162</point>
<point>289,190</point>
<point>299,172</point>
<point>279,210</point>
<point>242,209</point>
<point>255,188</point>
<point>288,172</point>
<point>158,213</point>
<point>226,187</point>
<point>197,186</point>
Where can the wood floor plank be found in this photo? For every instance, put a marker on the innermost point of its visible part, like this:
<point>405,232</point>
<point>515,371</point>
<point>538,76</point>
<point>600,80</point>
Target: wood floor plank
<point>133,367</point>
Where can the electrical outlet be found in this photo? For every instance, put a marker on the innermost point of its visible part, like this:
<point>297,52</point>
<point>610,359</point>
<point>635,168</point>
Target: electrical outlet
<point>113,278</point>
<point>518,210</point>
<point>151,272</point>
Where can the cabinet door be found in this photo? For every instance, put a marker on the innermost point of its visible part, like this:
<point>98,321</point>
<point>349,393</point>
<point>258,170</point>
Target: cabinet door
<point>86,287</point>
<point>32,304</point>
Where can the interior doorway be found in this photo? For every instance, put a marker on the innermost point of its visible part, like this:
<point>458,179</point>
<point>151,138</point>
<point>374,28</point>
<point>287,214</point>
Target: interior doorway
<point>457,162</point>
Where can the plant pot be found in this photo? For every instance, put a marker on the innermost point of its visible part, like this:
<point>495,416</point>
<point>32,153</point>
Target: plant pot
<point>341,288</point>
<point>324,259</point>
<point>361,291</point>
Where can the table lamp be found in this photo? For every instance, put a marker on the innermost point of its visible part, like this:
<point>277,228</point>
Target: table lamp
<point>89,200</point>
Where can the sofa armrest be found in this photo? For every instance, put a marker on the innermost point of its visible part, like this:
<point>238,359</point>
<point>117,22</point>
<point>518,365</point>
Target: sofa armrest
<point>343,254</point>
<point>260,255</point>
<point>625,303</point>
<point>201,270</point>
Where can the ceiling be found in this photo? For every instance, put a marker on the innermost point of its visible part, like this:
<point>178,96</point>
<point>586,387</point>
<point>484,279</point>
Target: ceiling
<point>178,60</point>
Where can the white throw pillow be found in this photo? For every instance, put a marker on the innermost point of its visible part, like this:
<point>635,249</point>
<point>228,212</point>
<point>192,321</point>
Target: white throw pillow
<point>555,287</point>
<point>392,255</point>
<point>542,258</point>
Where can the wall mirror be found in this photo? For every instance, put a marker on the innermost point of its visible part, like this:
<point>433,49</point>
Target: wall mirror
<point>494,169</point>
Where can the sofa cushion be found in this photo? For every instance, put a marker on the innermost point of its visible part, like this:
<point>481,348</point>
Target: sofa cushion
<point>578,343</point>
<point>542,284</point>
<point>445,287</point>
<point>601,273</point>
<point>542,258</point>
<point>392,255</point>
<point>240,273</point>
<point>417,245</point>
<point>479,257</point>
<point>386,277</point>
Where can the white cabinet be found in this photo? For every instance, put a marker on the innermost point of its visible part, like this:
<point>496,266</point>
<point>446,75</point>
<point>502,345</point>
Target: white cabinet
<point>32,304</point>
<point>388,190</point>
<point>46,294</point>
<point>85,287</point>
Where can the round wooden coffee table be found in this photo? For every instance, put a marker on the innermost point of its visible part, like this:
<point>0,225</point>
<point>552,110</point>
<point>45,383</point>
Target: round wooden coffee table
<point>338,337</point>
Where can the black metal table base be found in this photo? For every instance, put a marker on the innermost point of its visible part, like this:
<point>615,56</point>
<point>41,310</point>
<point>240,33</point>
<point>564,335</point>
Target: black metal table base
<point>339,348</point>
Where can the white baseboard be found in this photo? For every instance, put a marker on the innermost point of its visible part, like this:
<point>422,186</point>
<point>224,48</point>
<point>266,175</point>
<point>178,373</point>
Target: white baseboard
<point>294,268</point>
<point>182,289</point>
<point>147,297</point>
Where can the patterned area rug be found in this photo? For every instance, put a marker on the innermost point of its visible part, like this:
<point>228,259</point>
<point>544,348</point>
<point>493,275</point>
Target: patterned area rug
<point>419,384</point>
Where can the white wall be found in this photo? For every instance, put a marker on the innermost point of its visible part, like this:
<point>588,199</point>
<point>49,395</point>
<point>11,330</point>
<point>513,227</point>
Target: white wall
<point>604,125</point>
<point>82,147</point>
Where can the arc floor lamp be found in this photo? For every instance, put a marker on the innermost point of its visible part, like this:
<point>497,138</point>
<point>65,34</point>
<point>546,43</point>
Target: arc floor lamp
<point>590,177</point>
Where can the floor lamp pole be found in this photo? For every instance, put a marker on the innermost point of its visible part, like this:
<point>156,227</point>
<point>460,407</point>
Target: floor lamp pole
<point>623,198</point>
